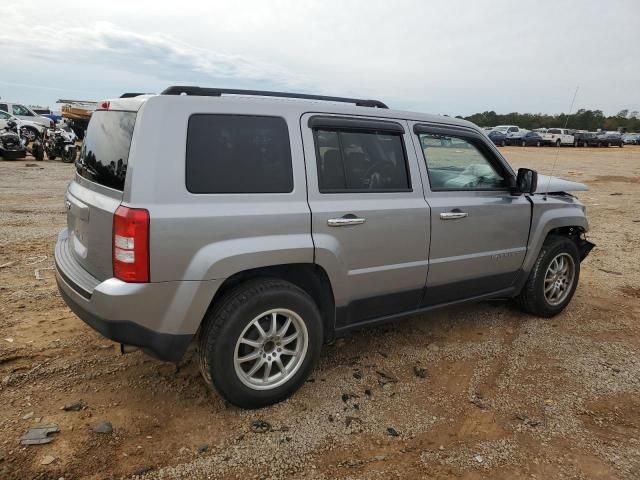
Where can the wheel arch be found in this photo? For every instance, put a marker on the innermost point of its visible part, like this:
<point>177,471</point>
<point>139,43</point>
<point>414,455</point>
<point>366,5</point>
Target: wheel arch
<point>563,221</point>
<point>309,277</point>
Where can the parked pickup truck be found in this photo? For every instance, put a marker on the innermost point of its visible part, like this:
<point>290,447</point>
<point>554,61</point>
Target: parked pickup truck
<point>558,137</point>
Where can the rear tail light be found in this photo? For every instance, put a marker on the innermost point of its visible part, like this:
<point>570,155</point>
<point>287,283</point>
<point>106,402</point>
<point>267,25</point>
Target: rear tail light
<point>104,105</point>
<point>131,244</point>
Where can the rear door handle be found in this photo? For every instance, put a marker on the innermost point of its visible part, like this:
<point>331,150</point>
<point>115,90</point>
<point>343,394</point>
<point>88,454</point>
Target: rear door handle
<point>345,221</point>
<point>453,215</point>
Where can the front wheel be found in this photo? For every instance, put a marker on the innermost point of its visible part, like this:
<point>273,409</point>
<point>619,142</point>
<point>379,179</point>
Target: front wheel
<point>260,342</point>
<point>557,143</point>
<point>553,279</point>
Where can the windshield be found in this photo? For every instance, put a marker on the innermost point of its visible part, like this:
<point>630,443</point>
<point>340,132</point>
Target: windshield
<point>105,152</point>
<point>502,129</point>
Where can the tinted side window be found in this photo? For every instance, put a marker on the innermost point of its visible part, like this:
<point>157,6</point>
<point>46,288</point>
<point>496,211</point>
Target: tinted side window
<point>454,163</point>
<point>4,107</point>
<point>350,161</point>
<point>238,154</point>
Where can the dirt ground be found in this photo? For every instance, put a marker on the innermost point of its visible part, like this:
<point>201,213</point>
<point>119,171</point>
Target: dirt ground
<point>476,391</point>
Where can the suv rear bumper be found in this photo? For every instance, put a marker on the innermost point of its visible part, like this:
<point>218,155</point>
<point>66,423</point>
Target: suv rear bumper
<point>161,318</point>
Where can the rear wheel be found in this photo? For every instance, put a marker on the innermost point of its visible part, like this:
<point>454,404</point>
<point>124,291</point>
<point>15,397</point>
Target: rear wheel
<point>585,144</point>
<point>538,144</point>
<point>502,143</point>
<point>524,144</point>
<point>260,342</point>
<point>558,143</point>
<point>553,279</point>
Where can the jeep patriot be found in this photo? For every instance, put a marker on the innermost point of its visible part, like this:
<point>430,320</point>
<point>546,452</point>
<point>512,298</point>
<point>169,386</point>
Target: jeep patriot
<point>262,225</point>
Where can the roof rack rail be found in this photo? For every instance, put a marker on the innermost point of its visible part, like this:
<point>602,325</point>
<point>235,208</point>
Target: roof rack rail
<point>131,95</point>
<point>217,92</point>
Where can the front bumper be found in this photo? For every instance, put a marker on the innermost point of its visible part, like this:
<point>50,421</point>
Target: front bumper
<point>161,318</point>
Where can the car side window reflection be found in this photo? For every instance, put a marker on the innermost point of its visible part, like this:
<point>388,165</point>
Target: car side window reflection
<point>454,163</point>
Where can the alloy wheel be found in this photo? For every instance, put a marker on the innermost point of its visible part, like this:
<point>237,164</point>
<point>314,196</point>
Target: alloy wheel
<point>559,278</point>
<point>271,349</point>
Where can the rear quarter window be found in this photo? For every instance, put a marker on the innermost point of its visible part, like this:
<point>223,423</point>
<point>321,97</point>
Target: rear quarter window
<point>105,153</point>
<point>238,154</point>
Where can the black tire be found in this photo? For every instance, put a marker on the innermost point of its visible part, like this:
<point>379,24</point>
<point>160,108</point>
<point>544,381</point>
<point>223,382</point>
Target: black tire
<point>538,144</point>
<point>502,143</point>
<point>37,151</point>
<point>558,143</point>
<point>531,298</point>
<point>50,155</point>
<point>226,322</point>
<point>585,144</point>
<point>620,145</point>
<point>69,156</point>
<point>524,144</point>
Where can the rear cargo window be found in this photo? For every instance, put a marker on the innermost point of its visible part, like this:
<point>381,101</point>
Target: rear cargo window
<point>238,154</point>
<point>105,152</point>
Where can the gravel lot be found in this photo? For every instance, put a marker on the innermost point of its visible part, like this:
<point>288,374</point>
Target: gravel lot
<point>476,391</point>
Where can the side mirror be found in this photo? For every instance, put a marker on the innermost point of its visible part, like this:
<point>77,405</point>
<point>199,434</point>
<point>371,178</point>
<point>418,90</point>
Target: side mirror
<point>526,181</point>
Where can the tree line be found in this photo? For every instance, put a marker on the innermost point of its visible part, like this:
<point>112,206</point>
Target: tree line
<point>583,119</point>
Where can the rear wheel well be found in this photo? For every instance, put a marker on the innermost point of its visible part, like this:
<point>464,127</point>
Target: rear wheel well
<point>309,277</point>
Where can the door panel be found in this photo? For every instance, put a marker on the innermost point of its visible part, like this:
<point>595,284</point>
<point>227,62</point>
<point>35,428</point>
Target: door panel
<point>479,231</point>
<point>377,266</point>
<point>479,253</point>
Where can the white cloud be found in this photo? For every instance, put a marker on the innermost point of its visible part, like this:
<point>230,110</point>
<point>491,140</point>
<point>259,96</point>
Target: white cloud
<point>438,56</point>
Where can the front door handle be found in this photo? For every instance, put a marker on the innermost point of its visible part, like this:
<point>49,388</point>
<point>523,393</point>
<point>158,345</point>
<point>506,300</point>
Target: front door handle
<point>453,215</point>
<point>345,221</point>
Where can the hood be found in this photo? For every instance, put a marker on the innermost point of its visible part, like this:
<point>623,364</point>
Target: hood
<point>30,123</point>
<point>547,184</point>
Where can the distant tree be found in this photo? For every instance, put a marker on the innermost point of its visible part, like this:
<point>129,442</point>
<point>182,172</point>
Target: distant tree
<point>623,113</point>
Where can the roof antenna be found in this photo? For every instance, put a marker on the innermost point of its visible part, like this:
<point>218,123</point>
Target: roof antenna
<point>566,122</point>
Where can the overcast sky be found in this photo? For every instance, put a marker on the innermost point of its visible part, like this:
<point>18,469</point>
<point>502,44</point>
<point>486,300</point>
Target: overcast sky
<point>443,57</point>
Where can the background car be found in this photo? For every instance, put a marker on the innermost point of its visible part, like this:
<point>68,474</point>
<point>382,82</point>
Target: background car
<point>498,137</point>
<point>585,139</point>
<point>631,138</point>
<point>558,137</point>
<point>530,139</point>
<point>24,113</point>
<point>28,130</point>
<point>613,139</point>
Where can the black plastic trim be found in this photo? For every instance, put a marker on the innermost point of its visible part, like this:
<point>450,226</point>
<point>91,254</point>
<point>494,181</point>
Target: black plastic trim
<point>217,92</point>
<point>351,123</point>
<point>164,346</point>
<point>343,330</point>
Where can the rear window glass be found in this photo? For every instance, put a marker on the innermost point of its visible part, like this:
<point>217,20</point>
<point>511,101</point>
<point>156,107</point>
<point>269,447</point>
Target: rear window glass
<point>105,152</point>
<point>238,154</point>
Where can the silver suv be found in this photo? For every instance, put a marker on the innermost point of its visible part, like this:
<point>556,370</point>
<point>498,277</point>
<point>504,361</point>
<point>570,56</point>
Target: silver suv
<point>264,224</point>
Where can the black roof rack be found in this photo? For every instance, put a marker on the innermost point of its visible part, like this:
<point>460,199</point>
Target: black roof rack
<point>131,95</point>
<point>217,92</point>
